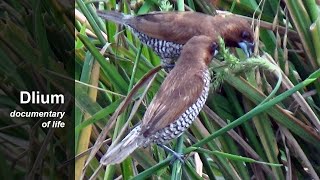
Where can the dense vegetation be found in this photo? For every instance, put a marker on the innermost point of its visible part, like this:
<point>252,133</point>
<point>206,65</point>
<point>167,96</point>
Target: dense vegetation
<point>271,124</point>
<point>251,127</point>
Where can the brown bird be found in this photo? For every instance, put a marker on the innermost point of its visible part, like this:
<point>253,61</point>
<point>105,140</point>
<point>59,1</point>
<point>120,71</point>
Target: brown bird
<point>176,104</point>
<point>167,32</point>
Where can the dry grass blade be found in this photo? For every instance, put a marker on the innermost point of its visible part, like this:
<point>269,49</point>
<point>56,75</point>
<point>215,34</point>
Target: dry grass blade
<point>238,139</point>
<point>293,144</point>
<point>119,110</point>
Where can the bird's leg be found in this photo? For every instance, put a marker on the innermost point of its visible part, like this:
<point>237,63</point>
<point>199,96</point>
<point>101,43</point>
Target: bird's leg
<point>167,67</point>
<point>167,64</point>
<point>176,155</point>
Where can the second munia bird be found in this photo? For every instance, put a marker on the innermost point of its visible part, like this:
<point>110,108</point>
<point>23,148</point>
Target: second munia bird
<point>167,32</point>
<point>176,104</point>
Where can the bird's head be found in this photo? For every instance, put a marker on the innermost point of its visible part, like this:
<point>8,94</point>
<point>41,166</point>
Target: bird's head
<point>202,48</point>
<point>238,33</point>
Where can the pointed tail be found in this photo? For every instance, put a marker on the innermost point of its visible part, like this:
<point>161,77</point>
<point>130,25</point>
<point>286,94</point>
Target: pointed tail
<point>114,16</point>
<point>122,150</point>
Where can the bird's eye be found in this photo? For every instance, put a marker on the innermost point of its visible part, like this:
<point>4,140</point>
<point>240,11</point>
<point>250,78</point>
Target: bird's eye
<point>245,35</point>
<point>214,48</point>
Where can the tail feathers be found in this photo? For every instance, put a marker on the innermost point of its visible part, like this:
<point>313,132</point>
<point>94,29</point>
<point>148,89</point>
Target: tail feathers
<point>114,16</point>
<point>122,150</point>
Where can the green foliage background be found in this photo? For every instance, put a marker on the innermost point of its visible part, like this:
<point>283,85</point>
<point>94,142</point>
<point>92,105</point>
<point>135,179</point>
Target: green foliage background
<point>283,131</point>
<point>36,54</point>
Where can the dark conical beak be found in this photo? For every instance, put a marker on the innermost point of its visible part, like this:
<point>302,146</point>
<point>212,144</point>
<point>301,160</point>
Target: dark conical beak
<point>247,47</point>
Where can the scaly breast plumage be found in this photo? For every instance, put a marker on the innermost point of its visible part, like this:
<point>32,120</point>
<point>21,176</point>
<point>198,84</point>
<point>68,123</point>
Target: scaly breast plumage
<point>165,49</point>
<point>184,121</point>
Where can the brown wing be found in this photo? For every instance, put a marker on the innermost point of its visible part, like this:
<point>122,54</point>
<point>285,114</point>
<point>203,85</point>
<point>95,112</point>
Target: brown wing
<point>177,93</point>
<point>176,27</point>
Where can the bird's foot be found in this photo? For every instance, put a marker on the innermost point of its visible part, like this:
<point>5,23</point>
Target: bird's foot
<point>167,64</point>
<point>176,156</point>
<point>167,67</point>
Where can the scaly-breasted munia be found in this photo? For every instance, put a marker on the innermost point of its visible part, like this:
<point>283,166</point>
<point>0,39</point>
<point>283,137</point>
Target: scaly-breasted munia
<point>176,104</point>
<point>167,32</point>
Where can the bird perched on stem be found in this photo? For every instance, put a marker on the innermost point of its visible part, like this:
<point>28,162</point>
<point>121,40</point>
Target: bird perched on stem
<point>176,104</point>
<point>167,32</point>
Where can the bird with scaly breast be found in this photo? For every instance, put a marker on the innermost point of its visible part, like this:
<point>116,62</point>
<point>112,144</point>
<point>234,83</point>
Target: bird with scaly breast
<point>167,32</point>
<point>176,104</point>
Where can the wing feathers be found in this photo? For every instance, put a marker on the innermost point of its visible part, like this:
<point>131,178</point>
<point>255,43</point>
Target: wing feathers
<point>156,25</point>
<point>173,98</point>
